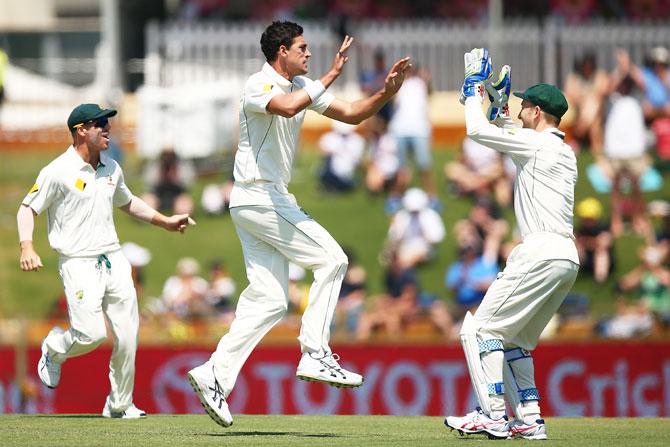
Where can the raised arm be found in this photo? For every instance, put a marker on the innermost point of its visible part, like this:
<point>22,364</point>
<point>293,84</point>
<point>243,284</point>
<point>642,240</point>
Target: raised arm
<point>357,111</point>
<point>289,104</point>
<point>508,139</point>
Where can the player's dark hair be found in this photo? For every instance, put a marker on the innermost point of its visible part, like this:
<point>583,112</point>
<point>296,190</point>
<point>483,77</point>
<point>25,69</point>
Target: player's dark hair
<point>276,35</point>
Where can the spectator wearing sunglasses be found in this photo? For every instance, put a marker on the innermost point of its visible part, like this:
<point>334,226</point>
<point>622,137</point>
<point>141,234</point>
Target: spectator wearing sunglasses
<point>79,191</point>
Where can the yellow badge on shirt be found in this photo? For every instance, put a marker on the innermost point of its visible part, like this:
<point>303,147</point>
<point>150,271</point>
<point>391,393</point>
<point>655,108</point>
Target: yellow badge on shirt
<point>267,88</point>
<point>80,184</point>
<point>33,189</point>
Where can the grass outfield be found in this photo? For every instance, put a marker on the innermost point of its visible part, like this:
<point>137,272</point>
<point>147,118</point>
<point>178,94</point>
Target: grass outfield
<point>297,431</point>
<point>356,221</point>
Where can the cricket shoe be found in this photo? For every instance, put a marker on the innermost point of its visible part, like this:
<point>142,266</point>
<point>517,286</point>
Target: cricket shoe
<point>477,422</point>
<point>323,367</point>
<point>47,369</point>
<point>132,412</point>
<point>536,430</point>
<point>210,393</point>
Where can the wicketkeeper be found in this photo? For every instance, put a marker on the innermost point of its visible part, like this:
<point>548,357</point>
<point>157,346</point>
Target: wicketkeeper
<point>499,337</point>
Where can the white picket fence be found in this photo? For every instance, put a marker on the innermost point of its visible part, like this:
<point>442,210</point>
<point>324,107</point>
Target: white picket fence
<point>186,52</point>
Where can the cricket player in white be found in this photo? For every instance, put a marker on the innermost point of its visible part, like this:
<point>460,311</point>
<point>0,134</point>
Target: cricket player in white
<point>79,190</point>
<point>499,337</point>
<point>271,226</point>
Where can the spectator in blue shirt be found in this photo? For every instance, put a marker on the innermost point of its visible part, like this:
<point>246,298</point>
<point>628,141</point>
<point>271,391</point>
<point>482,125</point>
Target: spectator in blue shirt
<point>653,79</point>
<point>470,277</point>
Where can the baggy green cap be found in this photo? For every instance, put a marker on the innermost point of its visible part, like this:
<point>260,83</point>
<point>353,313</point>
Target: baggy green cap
<point>546,96</point>
<point>84,113</point>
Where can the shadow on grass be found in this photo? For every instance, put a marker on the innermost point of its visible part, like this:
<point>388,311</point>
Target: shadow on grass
<point>277,433</point>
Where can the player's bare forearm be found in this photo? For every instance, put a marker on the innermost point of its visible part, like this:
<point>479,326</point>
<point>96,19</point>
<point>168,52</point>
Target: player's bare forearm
<point>357,111</point>
<point>176,222</point>
<point>139,209</point>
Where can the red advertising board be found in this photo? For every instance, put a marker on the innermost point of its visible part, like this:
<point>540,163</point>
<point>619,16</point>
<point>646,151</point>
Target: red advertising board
<point>609,379</point>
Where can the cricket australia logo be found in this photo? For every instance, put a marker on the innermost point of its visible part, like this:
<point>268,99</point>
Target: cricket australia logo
<point>79,294</point>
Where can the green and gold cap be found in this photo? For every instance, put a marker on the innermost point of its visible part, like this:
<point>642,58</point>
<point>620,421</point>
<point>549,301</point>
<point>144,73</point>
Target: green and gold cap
<point>546,96</point>
<point>84,113</point>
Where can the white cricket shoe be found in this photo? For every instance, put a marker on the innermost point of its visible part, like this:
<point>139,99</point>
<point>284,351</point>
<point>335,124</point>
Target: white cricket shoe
<point>324,367</point>
<point>536,430</point>
<point>47,369</point>
<point>210,393</point>
<point>478,422</point>
<point>132,412</point>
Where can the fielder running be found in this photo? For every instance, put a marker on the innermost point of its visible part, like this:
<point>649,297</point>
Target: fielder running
<point>79,191</point>
<point>271,226</point>
<point>499,337</point>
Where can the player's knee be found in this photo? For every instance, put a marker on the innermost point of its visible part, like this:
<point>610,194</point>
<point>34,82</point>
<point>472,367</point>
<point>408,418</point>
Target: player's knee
<point>278,308</point>
<point>339,260</point>
<point>334,262</point>
<point>92,336</point>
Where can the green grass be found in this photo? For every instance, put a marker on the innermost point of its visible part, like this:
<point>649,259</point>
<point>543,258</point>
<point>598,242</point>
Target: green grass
<point>357,221</point>
<point>298,431</point>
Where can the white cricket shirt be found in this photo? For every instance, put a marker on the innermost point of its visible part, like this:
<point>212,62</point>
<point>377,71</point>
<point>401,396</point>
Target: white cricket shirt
<point>268,142</point>
<point>79,202</point>
<point>410,109</point>
<point>624,129</point>
<point>546,175</point>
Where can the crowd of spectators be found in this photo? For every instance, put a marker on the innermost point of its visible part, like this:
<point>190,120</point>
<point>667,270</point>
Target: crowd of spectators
<point>568,10</point>
<point>613,116</point>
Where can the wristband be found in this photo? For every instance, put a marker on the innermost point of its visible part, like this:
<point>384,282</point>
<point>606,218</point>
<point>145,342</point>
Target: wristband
<point>315,90</point>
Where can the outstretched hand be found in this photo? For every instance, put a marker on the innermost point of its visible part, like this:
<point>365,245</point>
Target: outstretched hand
<point>178,222</point>
<point>341,57</point>
<point>396,75</point>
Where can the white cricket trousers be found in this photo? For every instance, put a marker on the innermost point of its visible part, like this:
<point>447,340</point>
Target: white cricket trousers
<point>271,236</point>
<point>95,290</point>
<point>522,300</point>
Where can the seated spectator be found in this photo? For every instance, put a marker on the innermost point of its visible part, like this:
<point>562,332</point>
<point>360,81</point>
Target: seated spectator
<point>215,197</point>
<point>415,230</point>
<point>167,183</point>
<point>138,257</point>
<point>383,171</point>
<point>402,302</point>
<point>352,297</point>
<point>470,276</point>
<point>184,293</point>
<point>479,171</point>
<point>484,226</point>
<point>342,149</point>
<point>298,292</point>
<point>652,280</point>
<point>593,240</point>
<point>220,291</point>
<point>631,319</point>
<point>660,209</point>
<point>585,89</point>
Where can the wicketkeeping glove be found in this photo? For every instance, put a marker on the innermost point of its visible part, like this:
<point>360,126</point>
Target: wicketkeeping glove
<point>499,91</point>
<point>477,70</point>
